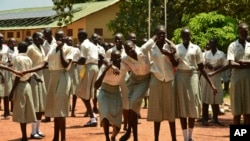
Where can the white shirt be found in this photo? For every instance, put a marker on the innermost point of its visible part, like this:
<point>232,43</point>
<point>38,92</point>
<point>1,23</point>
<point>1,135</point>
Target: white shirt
<point>3,54</point>
<point>54,60</point>
<point>188,58</point>
<point>12,53</point>
<point>47,45</point>
<point>161,66</point>
<point>218,59</point>
<point>110,78</point>
<point>89,51</point>
<point>109,51</point>
<point>101,50</point>
<point>22,62</point>
<point>36,55</point>
<point>236,52</point>
<point>140,66</point>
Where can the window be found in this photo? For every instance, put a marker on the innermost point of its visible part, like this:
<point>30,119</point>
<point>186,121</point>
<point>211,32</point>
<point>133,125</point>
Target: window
<point>10,34</point>
<point>28,33</point>
<point>98,31</point>
<point>18,34</point>
<point>70,32</point>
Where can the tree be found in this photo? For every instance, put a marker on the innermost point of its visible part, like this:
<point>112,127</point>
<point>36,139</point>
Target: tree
<point>205,26</point>
<point>133,17</point>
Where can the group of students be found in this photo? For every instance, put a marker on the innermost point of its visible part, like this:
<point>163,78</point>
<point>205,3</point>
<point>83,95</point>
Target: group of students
<point>118,78</point>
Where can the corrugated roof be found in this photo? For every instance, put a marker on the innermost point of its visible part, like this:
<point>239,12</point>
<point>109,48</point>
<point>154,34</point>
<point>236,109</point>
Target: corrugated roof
<point>32,18</point>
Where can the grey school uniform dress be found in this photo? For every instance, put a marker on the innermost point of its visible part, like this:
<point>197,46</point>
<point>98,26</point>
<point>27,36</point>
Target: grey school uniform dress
<point>23,111</point>
<point>8,76</point>
<point>240,79</point>
<point>138,81</point>
<point>187,86</point>
<point>90,51</point>
<point>57,100</point>
<point>3,61</point>
<point>207,94</point>
<point>39,91</point>
<point>109,98</point>
<point>162,102</point>
<point>74,75</point>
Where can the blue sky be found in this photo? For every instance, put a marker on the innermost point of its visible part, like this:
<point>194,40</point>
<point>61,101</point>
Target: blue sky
<point>15,4</point>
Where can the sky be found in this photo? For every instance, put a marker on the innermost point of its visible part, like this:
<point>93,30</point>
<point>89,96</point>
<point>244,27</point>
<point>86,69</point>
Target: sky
<point>16,4</point>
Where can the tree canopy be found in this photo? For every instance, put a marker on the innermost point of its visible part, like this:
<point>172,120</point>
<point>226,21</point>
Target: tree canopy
<point>205,26</point>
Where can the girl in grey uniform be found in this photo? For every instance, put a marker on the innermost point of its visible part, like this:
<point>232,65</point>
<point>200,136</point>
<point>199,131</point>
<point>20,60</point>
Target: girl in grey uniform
<point>189,61</point>
<point>109,98</point>
<point>21,93</point>
<point>58,60</point>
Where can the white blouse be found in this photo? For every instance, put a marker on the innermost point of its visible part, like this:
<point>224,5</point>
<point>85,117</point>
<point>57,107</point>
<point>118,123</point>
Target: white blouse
<point>22,62</point>
<point>140,66</point>
<point>218,59</point>
<point>189,58</point>
<point>89,51</point>
<point>161,66</point>
<point>36,55</point>
<point>54,60</point>
<point>236,52</point>
<point>111,78</point>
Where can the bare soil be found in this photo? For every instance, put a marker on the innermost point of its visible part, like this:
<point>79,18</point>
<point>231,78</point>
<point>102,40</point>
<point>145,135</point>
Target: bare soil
<point>10,131</point>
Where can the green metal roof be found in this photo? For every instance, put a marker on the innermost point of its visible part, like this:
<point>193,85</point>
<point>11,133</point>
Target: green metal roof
<point>41,17</point>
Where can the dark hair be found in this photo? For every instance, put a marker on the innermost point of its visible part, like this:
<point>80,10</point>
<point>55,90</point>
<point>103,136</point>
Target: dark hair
<point>22,47</point>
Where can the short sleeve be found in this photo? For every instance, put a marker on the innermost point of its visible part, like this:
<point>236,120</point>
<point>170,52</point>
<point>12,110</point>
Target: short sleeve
<point>199,56</point>
<point>84,50</point>
<point>147,46</point>
<point>230,52</point>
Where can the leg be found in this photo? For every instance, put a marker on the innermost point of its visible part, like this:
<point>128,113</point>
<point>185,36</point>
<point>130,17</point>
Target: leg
<point>95,102</point>
<point>125,118</point>
<point>62,127</point>
<point>105,125</point>
<point>56,129</point>
<point>115,132</point>
<point>35,127</point>
<point>145,102</point>
<point>92,122</point>
<point>11,106</point>
<point>236,120</point>
<point>38,122</point>
<point>172,130</point>
<point>247,119</point>
<point>134,122</point>
<point>126,136</point>
<point>205,114</point>
<point>157,126</point>
<point>74,98</point>
<point>184,127</point>
<point>6,106</point>
<point>24,132</point>
<point>190,127</point>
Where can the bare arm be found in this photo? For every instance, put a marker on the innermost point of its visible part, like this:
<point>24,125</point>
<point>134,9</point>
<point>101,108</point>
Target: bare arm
<point>9,69</point>
<point>37,68</point>
<point>99,80</point>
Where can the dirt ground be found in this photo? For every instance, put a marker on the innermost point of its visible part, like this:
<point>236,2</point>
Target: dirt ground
<point>10,131</point>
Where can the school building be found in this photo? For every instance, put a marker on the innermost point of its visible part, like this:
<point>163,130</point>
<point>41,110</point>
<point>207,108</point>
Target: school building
<point>91,16</point>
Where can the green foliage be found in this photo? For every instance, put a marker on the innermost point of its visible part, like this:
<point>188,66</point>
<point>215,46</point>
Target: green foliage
<point>205,26</point>
<point>133,17</point>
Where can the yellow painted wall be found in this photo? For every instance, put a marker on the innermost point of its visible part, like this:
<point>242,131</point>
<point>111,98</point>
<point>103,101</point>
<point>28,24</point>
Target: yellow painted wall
<point>79,24</point>
<point>100,19</point>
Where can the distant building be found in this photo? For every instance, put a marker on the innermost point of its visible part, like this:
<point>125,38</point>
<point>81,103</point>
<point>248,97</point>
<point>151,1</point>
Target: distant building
<point>92,17</point>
